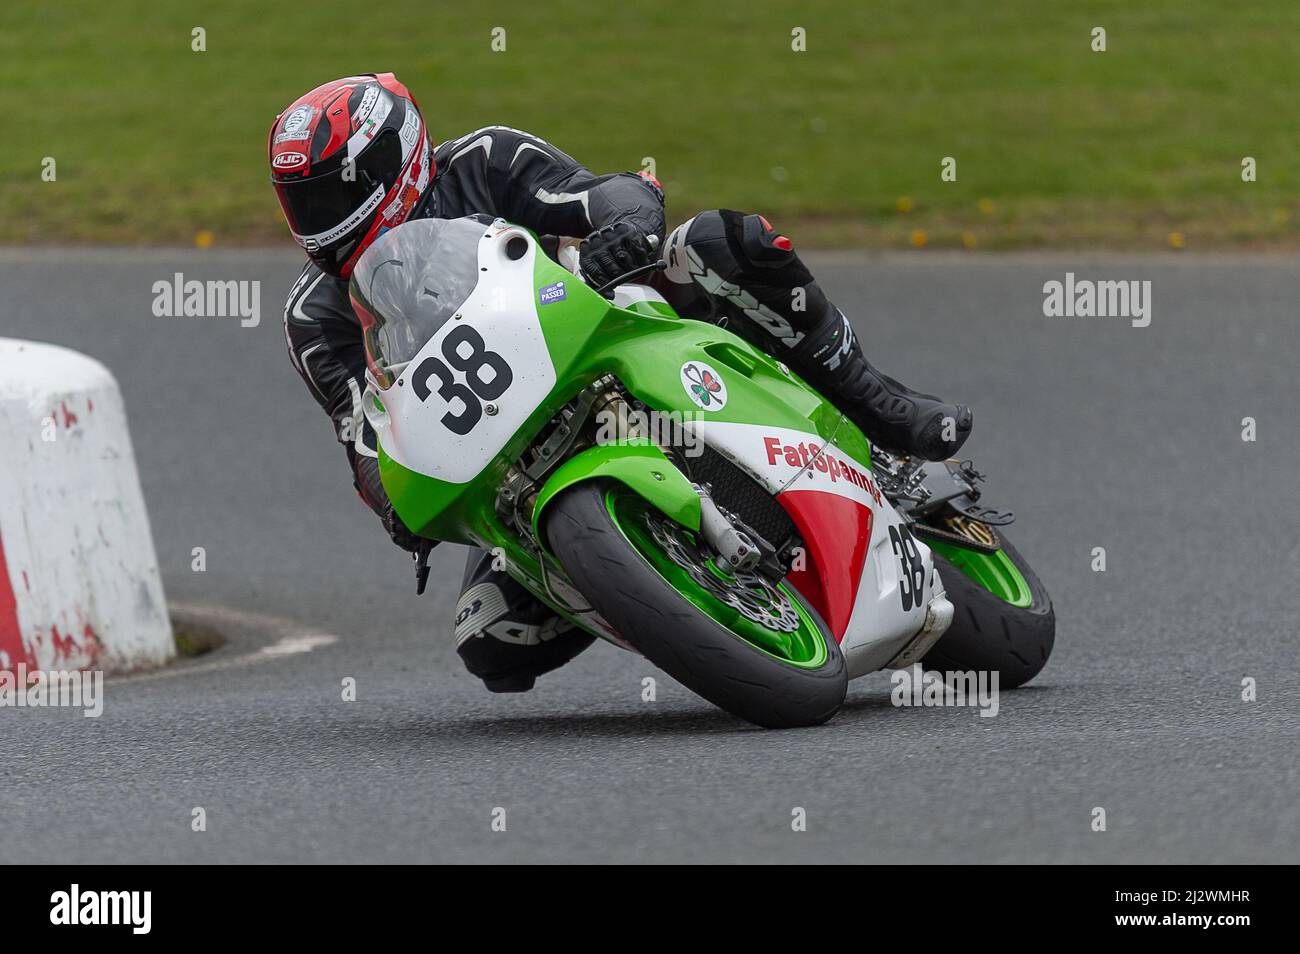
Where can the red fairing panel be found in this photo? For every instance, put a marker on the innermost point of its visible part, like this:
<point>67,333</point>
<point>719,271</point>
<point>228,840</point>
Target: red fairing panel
<point>836,530</point>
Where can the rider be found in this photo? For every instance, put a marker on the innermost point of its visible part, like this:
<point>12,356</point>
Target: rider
<point>353,158</point>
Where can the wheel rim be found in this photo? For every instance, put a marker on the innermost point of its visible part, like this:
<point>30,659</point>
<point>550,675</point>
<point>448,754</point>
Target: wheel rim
<point>995,572</point>
<point>767,616</point>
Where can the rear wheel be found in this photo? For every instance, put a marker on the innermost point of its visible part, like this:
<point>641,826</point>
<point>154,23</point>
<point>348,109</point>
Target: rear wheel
<point>1003,620</point>
<point>749,646</point>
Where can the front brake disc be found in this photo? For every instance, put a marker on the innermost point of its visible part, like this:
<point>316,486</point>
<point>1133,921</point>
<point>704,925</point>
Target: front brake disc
<point>751,595</point>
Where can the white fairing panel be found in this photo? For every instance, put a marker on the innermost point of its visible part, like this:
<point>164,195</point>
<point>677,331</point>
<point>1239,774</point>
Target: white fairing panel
<point>625,296</point>
<point>440,434</point>
<point>880,627</point>
<point>887,613</point>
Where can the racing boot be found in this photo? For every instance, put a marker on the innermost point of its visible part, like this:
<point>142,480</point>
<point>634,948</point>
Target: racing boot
<point>504,635</point>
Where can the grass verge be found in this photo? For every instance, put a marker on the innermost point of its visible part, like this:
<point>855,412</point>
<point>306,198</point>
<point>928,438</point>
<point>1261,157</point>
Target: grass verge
<point>1056,145</point>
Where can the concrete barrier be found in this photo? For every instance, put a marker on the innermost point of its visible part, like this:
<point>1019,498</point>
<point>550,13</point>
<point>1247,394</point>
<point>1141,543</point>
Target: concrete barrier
<point>79,583</point>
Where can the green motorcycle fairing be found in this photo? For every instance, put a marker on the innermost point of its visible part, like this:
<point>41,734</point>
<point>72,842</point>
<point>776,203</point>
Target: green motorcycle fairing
<point>479,316</point>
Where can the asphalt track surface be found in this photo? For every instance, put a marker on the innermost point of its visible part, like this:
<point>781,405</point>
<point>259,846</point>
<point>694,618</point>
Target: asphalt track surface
<point>1095,432</point>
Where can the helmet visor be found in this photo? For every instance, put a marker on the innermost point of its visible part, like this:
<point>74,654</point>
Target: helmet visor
<point>325,208</point>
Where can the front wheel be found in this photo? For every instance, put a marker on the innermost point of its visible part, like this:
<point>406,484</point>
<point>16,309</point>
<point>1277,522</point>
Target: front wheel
<point>749,646</point>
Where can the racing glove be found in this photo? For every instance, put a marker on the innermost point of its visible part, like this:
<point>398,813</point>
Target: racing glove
<point>399,532</point>
<point>615,250</point>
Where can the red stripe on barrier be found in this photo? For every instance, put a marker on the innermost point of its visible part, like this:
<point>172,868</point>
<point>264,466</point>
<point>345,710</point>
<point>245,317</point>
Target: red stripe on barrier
<point>11,637</point>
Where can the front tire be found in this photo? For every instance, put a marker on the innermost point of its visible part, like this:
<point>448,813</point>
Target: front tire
<point>990,633</point>
<point>635,566</point>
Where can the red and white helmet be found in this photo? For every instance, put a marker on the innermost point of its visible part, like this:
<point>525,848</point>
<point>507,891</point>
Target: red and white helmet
<point>349,160</point>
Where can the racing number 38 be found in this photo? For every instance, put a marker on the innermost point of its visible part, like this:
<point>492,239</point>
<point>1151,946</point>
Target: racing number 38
<point>471,363</point>
<point>912,582</point>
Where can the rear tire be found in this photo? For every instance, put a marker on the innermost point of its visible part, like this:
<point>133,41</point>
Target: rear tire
<point>990,634</point>
<point>676,634</point>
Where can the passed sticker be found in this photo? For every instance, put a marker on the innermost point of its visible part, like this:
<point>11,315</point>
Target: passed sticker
<point>549,294</point>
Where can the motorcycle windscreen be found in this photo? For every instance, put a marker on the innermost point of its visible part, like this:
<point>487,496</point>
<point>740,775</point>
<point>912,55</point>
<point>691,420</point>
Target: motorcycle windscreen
<point>408,284</point>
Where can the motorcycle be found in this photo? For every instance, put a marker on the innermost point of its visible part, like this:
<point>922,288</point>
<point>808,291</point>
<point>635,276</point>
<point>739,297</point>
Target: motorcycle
<point>755,547</point>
